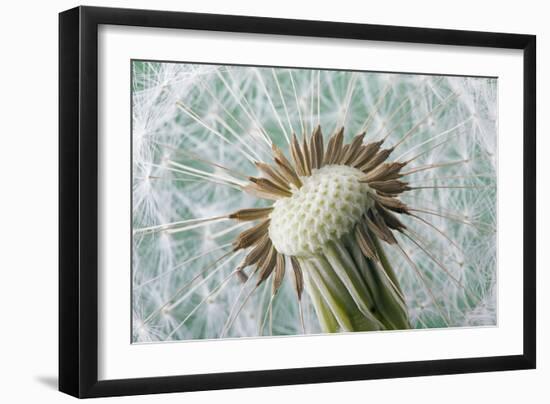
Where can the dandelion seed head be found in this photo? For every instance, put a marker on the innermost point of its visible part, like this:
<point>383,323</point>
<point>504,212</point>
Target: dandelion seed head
<point>329,203</point>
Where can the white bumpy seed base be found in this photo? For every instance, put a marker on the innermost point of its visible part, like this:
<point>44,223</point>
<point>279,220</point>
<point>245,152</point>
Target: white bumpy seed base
<point>325,208</point>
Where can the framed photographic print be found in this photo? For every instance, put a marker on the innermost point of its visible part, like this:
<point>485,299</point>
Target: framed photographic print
<point>250,201</point>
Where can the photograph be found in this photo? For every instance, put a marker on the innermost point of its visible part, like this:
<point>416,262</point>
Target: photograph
<point>275,202</point>
<point>272,201</point>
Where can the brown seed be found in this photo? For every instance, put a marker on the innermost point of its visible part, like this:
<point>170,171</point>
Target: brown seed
<point>334,147</point>
<point>390,187</point>
<point>345,149</point>
<point>354,149</point>
<point>279,272</point>
<point>390,203</point>
<point>379,228</point>
<point>298,277</point>
<point>367,152</point>
<point>243,277</point>
<point>253,189</point>
<point>363,240</point>
<point>267,265</point>
<point>330,150</point>
<point>380,157</point>
<point>307,156</point>
<point>259,251</point>
<point>338,144</point>
<point>385,171</point>
<point>251,214</point>
<point>249,237</point>
<point>297,156</point>
<point>289,173</point>
<point>390,218</point>
<point>285,167</point>
<point>267,185</point>
<point>273,174</point>
<point>278,154</point>
<point>317,148</point>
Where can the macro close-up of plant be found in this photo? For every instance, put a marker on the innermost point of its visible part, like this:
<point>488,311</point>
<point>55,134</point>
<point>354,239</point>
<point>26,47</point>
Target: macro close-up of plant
<point>273,201</point>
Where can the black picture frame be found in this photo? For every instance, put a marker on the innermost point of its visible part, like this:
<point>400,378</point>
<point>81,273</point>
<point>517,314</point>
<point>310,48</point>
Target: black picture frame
<point>78,200</point>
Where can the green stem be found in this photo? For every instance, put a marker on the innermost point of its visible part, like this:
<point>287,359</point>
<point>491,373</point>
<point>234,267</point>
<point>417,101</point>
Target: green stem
<point>324,314</point>
<point>386,264</point>
<point>352,293</point>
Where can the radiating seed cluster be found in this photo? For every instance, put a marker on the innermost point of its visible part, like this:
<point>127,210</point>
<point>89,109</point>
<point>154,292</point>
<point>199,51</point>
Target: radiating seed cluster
<point>321,194</point>
<point>329,204</point>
